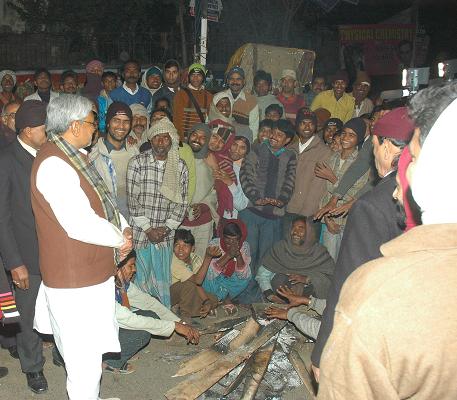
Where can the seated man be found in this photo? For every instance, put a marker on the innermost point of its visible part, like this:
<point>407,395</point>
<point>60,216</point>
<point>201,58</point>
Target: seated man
<point>139,316</point>
<point>299,261</point>
<point>188,271</point>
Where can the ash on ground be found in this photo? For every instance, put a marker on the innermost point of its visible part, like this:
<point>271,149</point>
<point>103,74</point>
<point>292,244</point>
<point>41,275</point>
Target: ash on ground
<point>279,378</point>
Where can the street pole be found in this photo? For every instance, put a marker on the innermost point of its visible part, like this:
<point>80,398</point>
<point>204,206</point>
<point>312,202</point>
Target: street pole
<point>204,32</point>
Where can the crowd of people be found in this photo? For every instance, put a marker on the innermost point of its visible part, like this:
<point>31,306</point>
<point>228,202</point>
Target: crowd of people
<point>144,202</point>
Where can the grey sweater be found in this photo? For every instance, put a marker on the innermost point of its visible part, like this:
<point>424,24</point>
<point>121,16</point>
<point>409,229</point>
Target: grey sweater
<point>263,175</point>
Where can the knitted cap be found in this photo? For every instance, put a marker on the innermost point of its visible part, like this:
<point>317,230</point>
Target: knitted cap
<point>118,108</point>
<point>334,122</point>
<point>396,124</point>
<point>197,68</point>
<point>155,70</point>
<point>236,69</point>
<point>94,64</point>
<point>359,126</point>
<point>362,78</point>
<point>305,113</point>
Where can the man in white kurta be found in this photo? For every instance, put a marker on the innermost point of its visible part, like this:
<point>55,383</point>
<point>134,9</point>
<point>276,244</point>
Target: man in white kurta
<point>76,242</point>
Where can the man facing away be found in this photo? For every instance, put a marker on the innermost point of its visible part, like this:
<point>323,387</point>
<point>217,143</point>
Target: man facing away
<point>80,235</point>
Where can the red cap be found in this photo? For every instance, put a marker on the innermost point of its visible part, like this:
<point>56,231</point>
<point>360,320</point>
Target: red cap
<point>396,124</point>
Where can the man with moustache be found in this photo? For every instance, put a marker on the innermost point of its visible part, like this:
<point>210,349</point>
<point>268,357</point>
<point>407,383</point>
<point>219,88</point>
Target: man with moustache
<point>140,125</point>
<point>202,212</point>
<point>245,109</point>
<point>18,237</point>
<point>130,92</point>
<point>372,220</point>
<point>112,153</point>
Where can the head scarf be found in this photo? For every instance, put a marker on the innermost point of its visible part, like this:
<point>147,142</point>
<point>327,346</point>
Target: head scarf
<point>224,196</point>
<point>204,150</point>
<point>154,70</point>
<point>117,108</point>
<point>359,126</point>
<point>403,162</point>
<point>171,178</point>
<point>93,87</point>
<point>7,72</point>
<point>30,114</point>
<point>139,109</point>
<point>311,259</point>
<point>215,114</point>
<point>433,182</point>
<point>93,64</point>
<point>229,268</point>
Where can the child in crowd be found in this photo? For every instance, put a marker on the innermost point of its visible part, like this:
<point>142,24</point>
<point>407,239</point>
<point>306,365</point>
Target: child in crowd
<point>188,271</point>
<point>353,135</point>
<point>274,112</point>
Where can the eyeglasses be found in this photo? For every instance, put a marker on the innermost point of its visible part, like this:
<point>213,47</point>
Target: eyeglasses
<point>94,124</point>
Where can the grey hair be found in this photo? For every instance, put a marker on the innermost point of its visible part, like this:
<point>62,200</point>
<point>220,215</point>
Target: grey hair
<point>65,109</point>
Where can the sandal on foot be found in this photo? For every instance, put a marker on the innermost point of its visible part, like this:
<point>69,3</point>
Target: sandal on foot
<point>126,369</point>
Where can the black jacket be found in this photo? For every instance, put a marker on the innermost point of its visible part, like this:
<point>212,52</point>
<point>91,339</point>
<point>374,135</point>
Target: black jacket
<point>18,238</point>
<point>372,221</point>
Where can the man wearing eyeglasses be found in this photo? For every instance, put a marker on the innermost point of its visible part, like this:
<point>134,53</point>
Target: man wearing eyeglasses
<point>18,237</point>
<point>8,124</point>
<point>111,154</point>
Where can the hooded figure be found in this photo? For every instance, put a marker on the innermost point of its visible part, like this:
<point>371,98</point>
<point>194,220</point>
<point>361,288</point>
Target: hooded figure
<point>310,259</point>
<point>170,184</point>
<point>225,163</point>
<point>93,85</point>
<point>154,70</point>
<point>204,199</point>
<point>215,114</point>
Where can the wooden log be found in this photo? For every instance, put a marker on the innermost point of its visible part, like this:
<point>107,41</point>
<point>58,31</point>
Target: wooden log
<point>209,356</point>
<point>297,360</point>
<point>259,366</point>
<point>198,383</point>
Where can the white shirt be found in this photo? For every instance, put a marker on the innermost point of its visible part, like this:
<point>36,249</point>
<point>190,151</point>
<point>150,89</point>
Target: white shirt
<point>302,147</point>
<point>130,91</point>
<point>27,148</point>
<point>60,185</point>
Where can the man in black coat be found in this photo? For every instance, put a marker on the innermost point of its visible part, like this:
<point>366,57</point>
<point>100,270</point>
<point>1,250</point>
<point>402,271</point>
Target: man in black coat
<point>372,220</point>
<point>18,238</point>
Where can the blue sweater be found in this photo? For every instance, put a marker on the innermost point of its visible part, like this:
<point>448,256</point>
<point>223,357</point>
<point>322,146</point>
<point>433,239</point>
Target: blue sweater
<point>142,96</point>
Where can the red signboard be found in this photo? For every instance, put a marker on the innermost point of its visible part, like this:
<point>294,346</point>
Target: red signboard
<point>377,49</point>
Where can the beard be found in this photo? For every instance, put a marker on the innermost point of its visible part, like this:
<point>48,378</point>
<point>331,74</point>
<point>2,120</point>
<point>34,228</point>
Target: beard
<point>400,215</point>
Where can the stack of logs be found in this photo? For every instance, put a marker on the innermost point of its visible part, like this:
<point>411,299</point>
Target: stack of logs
<point>254,344</point>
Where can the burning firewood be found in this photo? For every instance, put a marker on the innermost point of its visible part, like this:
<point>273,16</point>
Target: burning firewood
<point>231,341</point>
<point>198,383</point>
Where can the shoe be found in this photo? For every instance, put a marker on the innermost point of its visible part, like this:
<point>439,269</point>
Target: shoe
<point>13,352</point>
<point>57,360</point>
<point>3,372</point>
<point>36,382</point>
